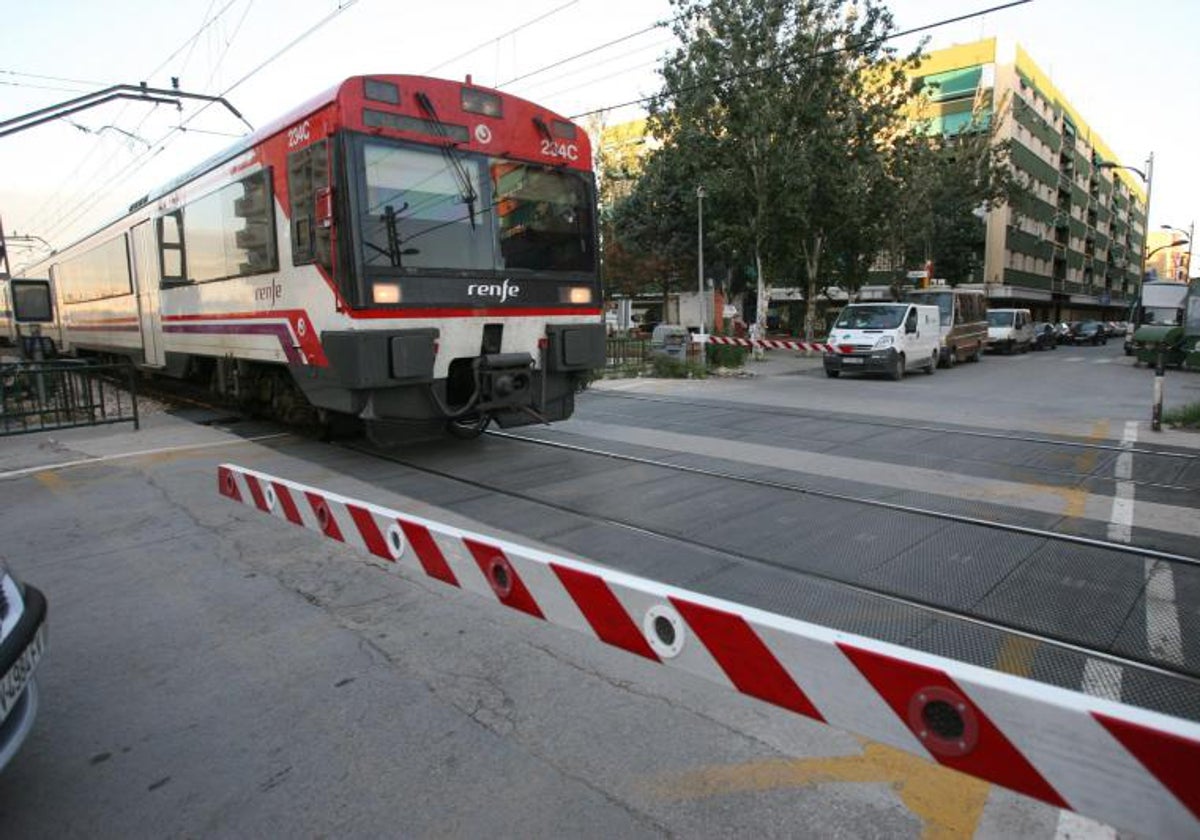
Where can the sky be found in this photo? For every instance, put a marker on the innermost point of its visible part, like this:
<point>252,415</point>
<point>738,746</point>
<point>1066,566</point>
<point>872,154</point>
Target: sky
<point>1129,69</point>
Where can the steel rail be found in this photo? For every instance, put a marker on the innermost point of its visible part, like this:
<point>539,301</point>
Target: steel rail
<point>934,610</point>
<point>1091,542</point>
<point>785,412</point>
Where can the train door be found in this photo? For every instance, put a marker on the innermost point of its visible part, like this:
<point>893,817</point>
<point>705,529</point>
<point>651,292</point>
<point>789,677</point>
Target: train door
<point>145,267</point>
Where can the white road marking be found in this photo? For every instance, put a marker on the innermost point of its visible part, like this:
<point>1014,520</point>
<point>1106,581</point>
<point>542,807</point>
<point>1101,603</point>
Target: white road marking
<point>100,459</point>
<point>1100,679</point>
<point>1162,613</point>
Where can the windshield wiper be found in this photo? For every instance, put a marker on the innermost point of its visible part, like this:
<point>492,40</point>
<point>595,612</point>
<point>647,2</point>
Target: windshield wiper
<point>466,191</point>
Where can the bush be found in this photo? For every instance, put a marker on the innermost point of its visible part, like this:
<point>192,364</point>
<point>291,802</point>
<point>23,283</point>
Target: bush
<point>666,367</point>
<point>1186,417</point>
<point>726,355</point>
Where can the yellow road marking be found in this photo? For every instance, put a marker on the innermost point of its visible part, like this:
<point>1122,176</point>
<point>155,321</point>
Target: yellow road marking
<point>1016,655</point>
<point>948,803</point>
<point>52,481</point>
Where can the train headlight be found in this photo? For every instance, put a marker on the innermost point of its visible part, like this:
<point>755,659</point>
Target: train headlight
<point>576,294</point>
<point>386,292</point>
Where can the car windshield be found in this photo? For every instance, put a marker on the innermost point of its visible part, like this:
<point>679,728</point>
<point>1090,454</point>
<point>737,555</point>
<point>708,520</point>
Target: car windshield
<point>944,301</point>
<point>1000,319</point>
<point>422,209</point>
<point>1163,316</point>
<point>875,317</point>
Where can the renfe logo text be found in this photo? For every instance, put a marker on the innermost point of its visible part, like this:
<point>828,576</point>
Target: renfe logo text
<point>503,290</point>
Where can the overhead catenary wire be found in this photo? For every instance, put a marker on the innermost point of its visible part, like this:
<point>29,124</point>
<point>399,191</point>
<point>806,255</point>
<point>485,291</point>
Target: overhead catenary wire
<point>834,51</point>
<point>824,54</point>
<point>502,36</point>
<point>638,101</point>
<point>49,207</point>
<point>95,196</point>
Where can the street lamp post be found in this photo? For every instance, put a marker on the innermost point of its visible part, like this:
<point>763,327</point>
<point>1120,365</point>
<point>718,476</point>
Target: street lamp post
<point>700,254</point>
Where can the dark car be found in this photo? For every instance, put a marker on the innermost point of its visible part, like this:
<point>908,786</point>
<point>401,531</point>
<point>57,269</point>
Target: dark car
<point>1088,332</point>
<point>1045,336</point>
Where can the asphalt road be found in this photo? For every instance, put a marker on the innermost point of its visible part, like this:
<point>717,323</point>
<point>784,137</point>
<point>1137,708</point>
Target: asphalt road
<point>213,673</point>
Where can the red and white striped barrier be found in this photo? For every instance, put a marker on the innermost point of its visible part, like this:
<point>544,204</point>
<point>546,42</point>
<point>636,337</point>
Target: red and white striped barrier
<point>1126,766</point>
<point>774,344</point>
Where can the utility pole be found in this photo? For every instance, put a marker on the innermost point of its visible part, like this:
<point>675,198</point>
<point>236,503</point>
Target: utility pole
<point>700,255</point>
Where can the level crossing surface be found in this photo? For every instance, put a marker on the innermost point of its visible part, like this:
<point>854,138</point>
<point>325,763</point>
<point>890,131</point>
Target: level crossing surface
<point>515,686</point>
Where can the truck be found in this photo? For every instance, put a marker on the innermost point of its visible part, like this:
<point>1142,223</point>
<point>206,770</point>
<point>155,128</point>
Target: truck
<point>1160,304</point>
<point>1169,329</point>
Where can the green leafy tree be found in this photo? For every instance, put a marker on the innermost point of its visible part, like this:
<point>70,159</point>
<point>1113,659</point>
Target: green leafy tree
<point>950,181</point>
<point>785,110</point>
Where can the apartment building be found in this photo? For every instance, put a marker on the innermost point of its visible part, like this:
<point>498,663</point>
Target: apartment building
<point>1070,246</point>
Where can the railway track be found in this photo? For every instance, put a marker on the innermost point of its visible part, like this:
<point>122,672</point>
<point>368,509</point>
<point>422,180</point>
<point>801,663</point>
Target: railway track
<point>932,605</point>
<point>1158,456</point>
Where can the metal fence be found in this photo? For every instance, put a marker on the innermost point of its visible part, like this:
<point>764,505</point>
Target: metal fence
<point>39,396</point>
<point>622,353</point>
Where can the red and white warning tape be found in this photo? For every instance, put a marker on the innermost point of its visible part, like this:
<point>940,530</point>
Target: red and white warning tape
<point>778,344</point>
<point>1129,767</point>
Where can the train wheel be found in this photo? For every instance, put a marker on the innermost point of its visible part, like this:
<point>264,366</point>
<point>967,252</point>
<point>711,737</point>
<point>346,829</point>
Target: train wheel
<point>334,425</point>
<point>469,427</point>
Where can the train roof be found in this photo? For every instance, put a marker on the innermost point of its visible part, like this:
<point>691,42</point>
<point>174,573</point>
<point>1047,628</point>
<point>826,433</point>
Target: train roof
<point>270,129</point>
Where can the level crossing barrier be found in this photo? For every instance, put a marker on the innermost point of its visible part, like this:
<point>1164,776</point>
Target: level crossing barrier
<point>1129,767</point>
<point>770,343</point>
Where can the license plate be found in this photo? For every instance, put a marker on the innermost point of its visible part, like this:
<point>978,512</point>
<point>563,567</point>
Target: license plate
<point>18,676</point>
<point>852,360</point>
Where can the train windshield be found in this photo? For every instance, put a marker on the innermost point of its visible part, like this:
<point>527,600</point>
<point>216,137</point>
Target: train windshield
<point>432,209</point>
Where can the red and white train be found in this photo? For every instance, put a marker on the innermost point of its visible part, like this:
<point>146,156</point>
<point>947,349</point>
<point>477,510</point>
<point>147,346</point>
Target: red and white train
<point>399,248</point>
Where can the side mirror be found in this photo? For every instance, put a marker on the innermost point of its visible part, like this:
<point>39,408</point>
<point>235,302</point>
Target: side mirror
<point>323,207</point>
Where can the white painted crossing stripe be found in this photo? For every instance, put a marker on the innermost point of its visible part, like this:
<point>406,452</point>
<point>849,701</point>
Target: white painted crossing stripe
<point>1162,613</point>
<point>1100,679</point>
<point>1120,522</point>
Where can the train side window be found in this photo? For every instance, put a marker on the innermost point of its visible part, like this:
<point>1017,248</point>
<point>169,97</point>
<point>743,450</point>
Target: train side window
<point>171,257</point>
<point>308,179</point>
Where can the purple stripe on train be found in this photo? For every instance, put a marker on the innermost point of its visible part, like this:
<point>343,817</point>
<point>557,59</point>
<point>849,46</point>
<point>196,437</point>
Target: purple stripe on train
<point>280,331</point>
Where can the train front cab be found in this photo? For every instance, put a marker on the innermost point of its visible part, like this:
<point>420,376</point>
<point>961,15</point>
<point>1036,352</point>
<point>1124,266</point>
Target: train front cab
<point>470,280</point>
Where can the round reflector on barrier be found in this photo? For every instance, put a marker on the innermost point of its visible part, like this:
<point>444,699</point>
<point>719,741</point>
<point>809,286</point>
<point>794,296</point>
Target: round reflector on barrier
<point>664,630</point>
<point>944,721</point>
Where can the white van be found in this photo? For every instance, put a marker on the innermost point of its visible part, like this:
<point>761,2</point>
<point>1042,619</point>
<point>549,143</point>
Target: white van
<point>1009,330</point>
<point>884,338</point>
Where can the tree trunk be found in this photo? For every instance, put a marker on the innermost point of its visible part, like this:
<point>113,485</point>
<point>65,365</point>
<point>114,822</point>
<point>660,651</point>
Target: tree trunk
<point>812,262</point>
<point>760,311</point>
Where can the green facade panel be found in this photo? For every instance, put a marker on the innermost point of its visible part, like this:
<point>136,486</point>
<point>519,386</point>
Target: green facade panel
<point>1024,278</point>
<point>1027,243</point>
<point>1026,160</point>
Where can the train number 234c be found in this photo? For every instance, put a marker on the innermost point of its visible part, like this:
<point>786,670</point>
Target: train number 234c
<point>561,150</point>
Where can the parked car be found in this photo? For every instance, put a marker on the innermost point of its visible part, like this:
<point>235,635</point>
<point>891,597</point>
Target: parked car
<point>22,645</point>
<point>1045,336</point>
<point>1009,330</point>
<point>1088,332</point>
<point>1062,331</point>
